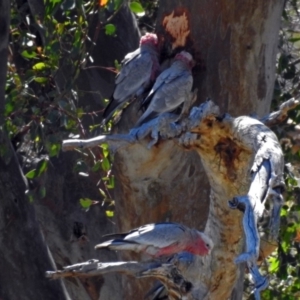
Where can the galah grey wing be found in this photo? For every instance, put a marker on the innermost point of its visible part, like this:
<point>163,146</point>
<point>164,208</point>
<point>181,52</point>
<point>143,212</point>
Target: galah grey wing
<point>130,57</point>
<point>137,74</point>
<point>159,235</point>
<point>168,97</point>
<point>165,77</point>
<point>131,80</point>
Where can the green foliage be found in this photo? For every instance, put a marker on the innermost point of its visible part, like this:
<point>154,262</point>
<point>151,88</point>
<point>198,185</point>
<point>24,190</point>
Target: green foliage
<point>42,109</point>
<point>283,265</point>
<point>136,7</point>
<point>110,29</point>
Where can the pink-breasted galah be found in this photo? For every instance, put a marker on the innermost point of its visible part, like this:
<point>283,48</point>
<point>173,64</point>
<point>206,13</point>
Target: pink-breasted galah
<point>171,88</point>
<point>139,69</point>
<point>160,239</point>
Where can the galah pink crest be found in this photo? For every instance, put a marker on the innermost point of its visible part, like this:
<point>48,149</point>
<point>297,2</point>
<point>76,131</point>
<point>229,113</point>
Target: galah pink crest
<point>171,88</point>
<point>139,69</point>
<point>160,239</point>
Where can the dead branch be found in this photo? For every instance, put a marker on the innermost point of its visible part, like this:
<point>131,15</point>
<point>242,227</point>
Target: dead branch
<point>244,161</point>
<point>174,273</point>
<point>280,115</point>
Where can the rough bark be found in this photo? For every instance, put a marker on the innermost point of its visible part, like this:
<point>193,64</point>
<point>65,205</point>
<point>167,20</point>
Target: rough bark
<point>234,45</point>
<point>24,254</point>
<point>249,169</point>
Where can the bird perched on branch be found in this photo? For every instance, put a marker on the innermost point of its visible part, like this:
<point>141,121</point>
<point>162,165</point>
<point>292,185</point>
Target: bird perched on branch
<point>160,239</point>
<point>139,69</point>
<point>170,89</point>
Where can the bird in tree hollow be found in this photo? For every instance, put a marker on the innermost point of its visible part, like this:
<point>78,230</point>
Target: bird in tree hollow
<point>139,69</point>
<point>171,88</point>
<point>160,239</point>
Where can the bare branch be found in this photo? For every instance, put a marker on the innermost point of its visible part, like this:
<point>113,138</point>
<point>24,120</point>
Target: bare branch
<point>174,272</point>
<point>115,142</point>
<point>95,268</point>
<point>279,116</point>
<point>239,142</point>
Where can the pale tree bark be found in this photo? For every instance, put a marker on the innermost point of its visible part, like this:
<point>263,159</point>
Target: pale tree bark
<point>234,45</point>
<point>249,171</point>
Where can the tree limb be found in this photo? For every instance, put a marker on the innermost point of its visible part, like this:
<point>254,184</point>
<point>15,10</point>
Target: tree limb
<point>174,273</point>
<point>238,143</point>
<point>280,115</point>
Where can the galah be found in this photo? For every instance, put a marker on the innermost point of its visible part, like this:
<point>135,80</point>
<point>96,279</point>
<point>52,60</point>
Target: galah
<point>172,87</point>
<point>160,239</point>
<point>139,69</point>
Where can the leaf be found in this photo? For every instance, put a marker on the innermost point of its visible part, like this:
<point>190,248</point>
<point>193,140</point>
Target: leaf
<point>274,264</point>
<point>105,152</point>
<point>40,79</point>
<point>39,66</point>
<point>109,213</point>
<point>293,40</point>
<point>96,166</point>
<point>102,193</point>
<point>111,184</point>
<point>41,167</point>
<point>54,149</point>
<point>28,54</point>
<point>105,164</point>
<point>136,7</point>
<point>110,29</point>
<point>31,174</point>
<point>85,202</point>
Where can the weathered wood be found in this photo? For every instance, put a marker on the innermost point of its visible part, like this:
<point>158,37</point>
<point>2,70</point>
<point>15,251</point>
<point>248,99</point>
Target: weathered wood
<point>178,274</point>
<point>234,45</point>
<point>241,157</point>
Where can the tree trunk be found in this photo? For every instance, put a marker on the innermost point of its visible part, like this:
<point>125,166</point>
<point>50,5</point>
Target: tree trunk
<point>23,253</point>
<point>57,224</point>
<point>234,45</point>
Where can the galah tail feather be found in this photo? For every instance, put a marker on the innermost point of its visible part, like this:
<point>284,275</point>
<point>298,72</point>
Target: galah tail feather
<point>171,88</point>
<point>139,70</point>
<point>159,239</point>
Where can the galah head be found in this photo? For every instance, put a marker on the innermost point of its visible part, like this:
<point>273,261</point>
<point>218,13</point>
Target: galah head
<point>149,39</point>
<point>203,244</point>
<point>186,57</point>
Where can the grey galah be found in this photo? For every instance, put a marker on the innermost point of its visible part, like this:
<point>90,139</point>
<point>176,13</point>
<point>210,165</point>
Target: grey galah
<point>139,69</point>
<point>171,88</point>
<point>160,239</point>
